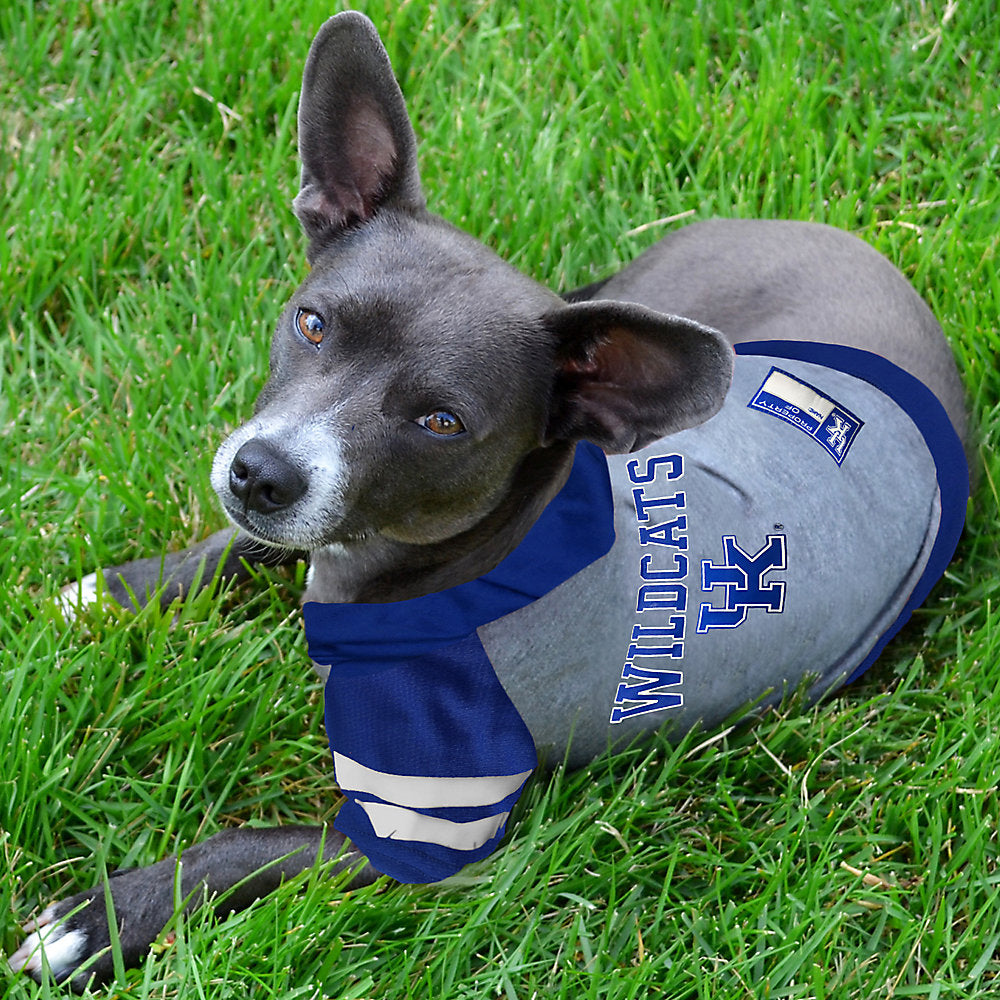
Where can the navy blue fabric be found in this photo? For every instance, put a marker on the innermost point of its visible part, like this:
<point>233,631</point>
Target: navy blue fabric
<point>411,690</point>
<point>931,419</point>
<point>444,714</point>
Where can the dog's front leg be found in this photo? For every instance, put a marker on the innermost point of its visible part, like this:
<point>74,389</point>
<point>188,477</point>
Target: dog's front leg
<point>229,870</point>
<point>229,554</point>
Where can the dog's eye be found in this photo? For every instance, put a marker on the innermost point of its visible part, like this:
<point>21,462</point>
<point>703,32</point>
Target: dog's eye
<point>310,325</point>
<point>442,423</point>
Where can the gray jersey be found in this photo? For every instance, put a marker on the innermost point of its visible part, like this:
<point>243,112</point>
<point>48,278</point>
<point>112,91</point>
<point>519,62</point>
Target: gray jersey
<point>771,548</point>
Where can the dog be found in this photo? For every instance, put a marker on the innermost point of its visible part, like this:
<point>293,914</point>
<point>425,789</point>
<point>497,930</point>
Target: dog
<point>541,526</point>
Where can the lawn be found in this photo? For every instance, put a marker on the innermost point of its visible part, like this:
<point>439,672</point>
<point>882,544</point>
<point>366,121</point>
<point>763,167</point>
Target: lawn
<point>147,150</point>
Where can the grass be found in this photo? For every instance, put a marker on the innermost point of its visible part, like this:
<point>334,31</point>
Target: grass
<point>849,850</point>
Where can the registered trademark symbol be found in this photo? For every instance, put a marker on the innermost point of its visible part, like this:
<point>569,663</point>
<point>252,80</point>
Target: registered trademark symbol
<point>779,527</point>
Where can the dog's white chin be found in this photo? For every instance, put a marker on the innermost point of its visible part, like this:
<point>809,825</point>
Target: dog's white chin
<point>281,535</point>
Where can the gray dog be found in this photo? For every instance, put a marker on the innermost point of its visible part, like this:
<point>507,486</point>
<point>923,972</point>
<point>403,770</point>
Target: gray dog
<point>539,527</point>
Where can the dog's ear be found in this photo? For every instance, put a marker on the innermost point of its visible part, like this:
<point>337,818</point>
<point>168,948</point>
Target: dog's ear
<point>356,143</point>
<point>626,375</point>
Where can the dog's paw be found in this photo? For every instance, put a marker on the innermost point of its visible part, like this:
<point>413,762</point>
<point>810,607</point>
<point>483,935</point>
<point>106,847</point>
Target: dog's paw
<point>74,599</point>
<point>62,938</point>
<point>72,940</point>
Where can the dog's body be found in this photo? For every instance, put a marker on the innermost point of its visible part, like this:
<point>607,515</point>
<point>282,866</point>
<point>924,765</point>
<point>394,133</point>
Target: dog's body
<point>425,406</point>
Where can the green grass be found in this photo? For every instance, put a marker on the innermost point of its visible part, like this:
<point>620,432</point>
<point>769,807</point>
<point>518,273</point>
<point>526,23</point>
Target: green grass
<point>147,159</point>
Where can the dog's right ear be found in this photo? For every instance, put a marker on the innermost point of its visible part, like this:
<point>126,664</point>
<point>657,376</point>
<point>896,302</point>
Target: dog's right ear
<point>356,143</point>
<point>626,376</point>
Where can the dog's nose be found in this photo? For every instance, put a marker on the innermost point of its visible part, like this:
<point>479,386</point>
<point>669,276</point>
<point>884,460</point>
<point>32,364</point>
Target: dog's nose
<point>263,479</point>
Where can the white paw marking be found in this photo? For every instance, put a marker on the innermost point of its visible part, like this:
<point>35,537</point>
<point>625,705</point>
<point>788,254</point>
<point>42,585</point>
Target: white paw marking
<point>62,947</point>
<point>74,597</point>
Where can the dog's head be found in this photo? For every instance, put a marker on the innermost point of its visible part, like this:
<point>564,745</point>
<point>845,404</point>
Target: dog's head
<point>414,374</point>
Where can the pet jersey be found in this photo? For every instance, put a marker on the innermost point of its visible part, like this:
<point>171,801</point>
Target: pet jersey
<point>776,547</point>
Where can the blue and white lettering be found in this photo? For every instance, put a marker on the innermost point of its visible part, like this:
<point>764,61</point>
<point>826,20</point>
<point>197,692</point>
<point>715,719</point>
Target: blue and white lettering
<point>664,589</point>
<point>838,434</point>
<point>742,577</point>
<point>643,503</point>
<point>661,597</point>
<point>674,464</point>
<point>666,533</point>
<point>646,692</point>
<point>679,572</point>
<point>802,405</point>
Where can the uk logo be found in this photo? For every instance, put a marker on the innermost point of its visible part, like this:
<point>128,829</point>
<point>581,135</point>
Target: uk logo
<point>840,430</point>
<point>837,435</point>
<point>741,578</point>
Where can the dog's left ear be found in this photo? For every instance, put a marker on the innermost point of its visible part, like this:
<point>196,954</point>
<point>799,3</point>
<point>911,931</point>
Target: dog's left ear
<point>357,147</point>
<point>627,375</point>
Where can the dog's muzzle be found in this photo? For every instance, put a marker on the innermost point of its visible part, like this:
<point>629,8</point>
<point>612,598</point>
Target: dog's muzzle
<point>264,480</point>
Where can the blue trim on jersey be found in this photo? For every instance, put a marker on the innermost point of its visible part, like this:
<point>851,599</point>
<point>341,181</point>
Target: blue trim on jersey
<point>411,690</point>
<point>927,413</point>
<point>574,530</point>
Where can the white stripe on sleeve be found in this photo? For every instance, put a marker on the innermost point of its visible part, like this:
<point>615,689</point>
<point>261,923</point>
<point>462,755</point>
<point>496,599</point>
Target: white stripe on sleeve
<point>393,823</point>
<point>420,792</point>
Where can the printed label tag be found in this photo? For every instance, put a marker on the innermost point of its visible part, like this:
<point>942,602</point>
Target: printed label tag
<point>796,402</point>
